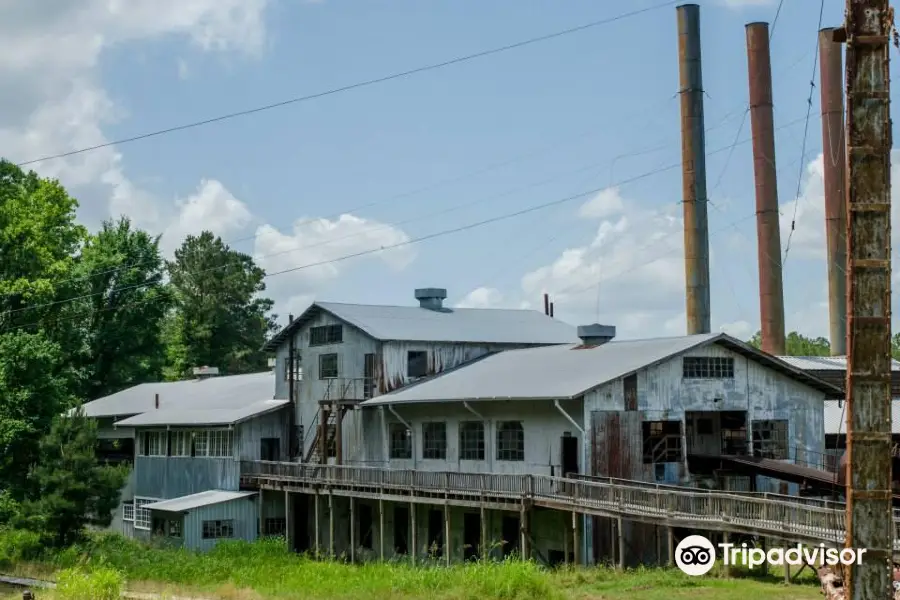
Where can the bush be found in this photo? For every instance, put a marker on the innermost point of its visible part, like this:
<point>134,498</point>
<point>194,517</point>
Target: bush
<point>99,584</point>
<point>17,545</point>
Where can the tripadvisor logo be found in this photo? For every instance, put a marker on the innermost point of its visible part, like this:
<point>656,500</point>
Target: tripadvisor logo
<point>696,555</point>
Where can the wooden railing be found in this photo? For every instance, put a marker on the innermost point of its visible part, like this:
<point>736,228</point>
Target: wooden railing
<point>767,514</point>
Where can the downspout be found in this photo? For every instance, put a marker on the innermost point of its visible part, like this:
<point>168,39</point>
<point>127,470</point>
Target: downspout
<point>412,437</point>
<point>488,434</point>
<point>584,518</point>
<point>385,454</point>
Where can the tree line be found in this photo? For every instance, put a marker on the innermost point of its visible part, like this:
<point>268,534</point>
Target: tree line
<point>86,314</point>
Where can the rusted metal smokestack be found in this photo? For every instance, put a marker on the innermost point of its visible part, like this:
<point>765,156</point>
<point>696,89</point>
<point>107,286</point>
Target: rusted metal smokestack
<point>693,159</point>
<point>546,304</point>
<point>551,309</point>
<point>834,159</point>
<point>771,294</point>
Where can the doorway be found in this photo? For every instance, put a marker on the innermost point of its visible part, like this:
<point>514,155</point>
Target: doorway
<point>471,536</point>
<point>300,518</point>
<point>364,526</point>
<point>401,526</point>
<point>270,449</point>
<point>435,532</point>
<point>569,454</point>
<point>509,532</point>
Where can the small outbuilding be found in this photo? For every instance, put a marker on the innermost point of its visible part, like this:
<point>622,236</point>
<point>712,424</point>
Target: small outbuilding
<point>198,521</point>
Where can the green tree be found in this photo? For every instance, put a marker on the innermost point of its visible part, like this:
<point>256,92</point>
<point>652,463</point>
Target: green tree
<point>72,488</point>
<point>221,320</point>
<point>895,346</point>
<point>797,344</point>
<point>126,302</point>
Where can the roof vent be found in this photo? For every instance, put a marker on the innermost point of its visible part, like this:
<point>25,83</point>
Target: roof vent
<point>205,372</point>
<point>431,298</point>
<point>596,334</point>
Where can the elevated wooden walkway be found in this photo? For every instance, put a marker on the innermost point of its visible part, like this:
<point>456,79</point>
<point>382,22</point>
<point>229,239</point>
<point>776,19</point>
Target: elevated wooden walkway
<point>795,520</point>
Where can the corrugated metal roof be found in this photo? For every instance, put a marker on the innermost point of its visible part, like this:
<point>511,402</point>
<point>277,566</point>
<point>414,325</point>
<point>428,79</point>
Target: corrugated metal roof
<point>413,323</point>
<point>198,500</point>
<point>232,391</point>
<point>210,416</point>
<point>563,371</point>
<point>824,363</point>
<point>836,417</point>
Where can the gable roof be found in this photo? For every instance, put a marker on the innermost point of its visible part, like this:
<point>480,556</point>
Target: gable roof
<point>227,392</point>
<point>414,323</point>
<point>569,371</point>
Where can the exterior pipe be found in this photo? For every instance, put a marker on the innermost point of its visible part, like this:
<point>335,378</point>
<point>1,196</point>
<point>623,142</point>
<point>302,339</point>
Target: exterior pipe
<point>585,527</point>
<point>835,167</point>
<point>693,160</point>
<point>570,419</point>
<point>771,292</point>
<point>412,437</point>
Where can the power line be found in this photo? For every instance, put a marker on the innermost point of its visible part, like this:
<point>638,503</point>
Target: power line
<point>357,85</point>
<point>441,233</point>
<point>809,105</point>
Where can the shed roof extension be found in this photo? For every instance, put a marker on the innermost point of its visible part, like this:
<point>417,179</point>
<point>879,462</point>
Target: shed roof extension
<point>414,323</point>
<point>561,372</point>
<point>198,500</point>
<point>227,392</point>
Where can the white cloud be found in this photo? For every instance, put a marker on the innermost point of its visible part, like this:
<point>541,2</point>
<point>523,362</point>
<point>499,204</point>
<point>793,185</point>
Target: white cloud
<point>483,297</point>
<point>183,70</point>
<point>606,203</point>
<point>741,330</point>
<point>746,3</point>
<point>60,105</point>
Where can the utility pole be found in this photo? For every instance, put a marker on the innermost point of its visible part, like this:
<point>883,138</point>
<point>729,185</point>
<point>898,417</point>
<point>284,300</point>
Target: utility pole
<point>869,508</point>
<point>693,160</point>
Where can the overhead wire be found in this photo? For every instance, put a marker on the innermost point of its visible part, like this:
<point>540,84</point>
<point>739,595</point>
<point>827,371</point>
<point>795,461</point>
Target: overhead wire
<point>359,84</point>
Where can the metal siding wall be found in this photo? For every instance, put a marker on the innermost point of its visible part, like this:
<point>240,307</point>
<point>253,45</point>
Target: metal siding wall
<point>272,425</point>
<point>171,477</point>
<point>243,512</point>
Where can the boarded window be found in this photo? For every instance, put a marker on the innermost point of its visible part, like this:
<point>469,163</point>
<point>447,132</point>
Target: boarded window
<point>401,442</point>
<point>662,442</point>
<point>416,363</point>
<point>328,366</point>
<point>708,367</point>
<point>770,439</point>
<point>326,334</point>
<point>434,441</point>
<point>511,441</point>
<point>471,440</point>
<point>214,530</point>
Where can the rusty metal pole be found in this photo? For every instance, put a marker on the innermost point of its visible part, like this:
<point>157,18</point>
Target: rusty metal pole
<point>869,511</point>
<point>771,289</point>
<point>693,160</point>
<point>834,159</point>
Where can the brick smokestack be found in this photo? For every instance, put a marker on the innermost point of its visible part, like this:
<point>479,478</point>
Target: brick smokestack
<point>833,142</point>
<point>693,159</point>
<point>771,294</point>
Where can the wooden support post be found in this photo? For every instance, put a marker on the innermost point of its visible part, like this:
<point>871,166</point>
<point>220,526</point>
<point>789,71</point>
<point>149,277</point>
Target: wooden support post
<point>338,435</point>
<point>670,535</point>
<point>566,545</point>
<point>381,528</point>
<point>787,568</point>
<point>330,524</point>
<point>287,519</point>
<point>725,553</point>
<point>413,533</point>
<point>483,551</point>
<point>524,540</point>
<point>316,527</point>
<point>447,534</point>
<point>576,543</point>
<point>262,521</point>
<point>765,565</point>
<point>621,535</point>
<point>352,529</point>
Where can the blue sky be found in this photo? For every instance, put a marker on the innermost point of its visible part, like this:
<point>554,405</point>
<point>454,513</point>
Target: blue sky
<point>411,157</point>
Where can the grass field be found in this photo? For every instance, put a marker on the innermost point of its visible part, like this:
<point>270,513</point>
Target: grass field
<point>241,571</point>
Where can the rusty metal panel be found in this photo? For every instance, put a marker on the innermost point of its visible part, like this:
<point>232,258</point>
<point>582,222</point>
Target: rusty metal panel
<point>617,447</point>
<point>869,515</point>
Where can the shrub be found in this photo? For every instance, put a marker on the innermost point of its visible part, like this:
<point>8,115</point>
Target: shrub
<point>99,584</point>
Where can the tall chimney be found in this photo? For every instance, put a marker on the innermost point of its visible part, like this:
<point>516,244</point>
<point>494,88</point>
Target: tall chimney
<point>831,84</point>
<point>547,304</point>
<point>771,295</point>
<point>551,309</point>
<point>693,159</point>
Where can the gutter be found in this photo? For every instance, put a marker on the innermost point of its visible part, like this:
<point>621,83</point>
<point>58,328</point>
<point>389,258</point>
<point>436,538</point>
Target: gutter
<point>570,419</point>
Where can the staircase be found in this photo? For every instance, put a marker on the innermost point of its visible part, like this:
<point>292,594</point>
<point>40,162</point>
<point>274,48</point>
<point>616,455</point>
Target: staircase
<point>313,455</point>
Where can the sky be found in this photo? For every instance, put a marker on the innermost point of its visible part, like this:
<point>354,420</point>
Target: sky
<point>587,123</point>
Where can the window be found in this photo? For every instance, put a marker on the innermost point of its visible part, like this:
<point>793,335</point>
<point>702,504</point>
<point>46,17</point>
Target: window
<point>287,368</point>
<point>270,449</point>
<point>369,376</point>
<point>707,367</point>
<point>662,442</point>
<point>153,443</point>
<point>128,511</point>
<point>511,441</point>
<point>167,527</point>
<point>221,444</point>
<point>434,441</point>
<point>326,334</point>
<point>328,366</point>
<point>275,526</point>
<point>401,441</point>
<point>770,439</point>
<point>201,443</point>
<point>471,440</point>
<point>141,514</point>
<point>180,443</point>
<point>214,530</point>
<point>416,363</point>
